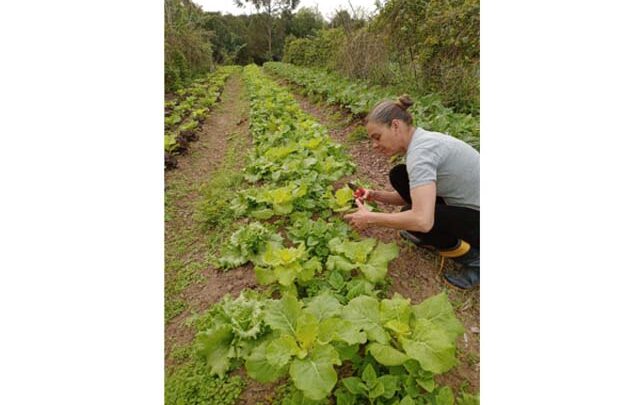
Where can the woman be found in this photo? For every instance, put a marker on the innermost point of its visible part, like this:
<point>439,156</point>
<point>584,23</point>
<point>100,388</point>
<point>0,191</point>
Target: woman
<point>439,187</point>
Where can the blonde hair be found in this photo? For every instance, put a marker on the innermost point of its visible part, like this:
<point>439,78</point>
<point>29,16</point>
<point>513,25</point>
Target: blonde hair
<point>386,111</point>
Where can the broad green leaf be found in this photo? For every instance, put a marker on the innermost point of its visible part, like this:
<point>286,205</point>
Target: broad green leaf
<point>339,263</point>
<point>395,309</point>
<point>431,346</point>
<point>344,397</point>
<point>315,375</point>
<point>259,368</point>
<point>344,196</point>
<point>428,383</point>
<point>438,311</point>
<point>390,384</point>
<point>364,313</point>
<point>214,346</point>
<point>341,330</point>
<point>377,389</point>
<point>407,401</point>
<point>280,350</point>
<point>263,214</point>
<point>355,385</point>
<point>376,268</point>
<point>324,306</point>
<point>359,251</point>
<point>387,355</point>
<point>336,280</point>
<point>400,328</point>
<point>310,268</point>
<point>444,396</point>
<point>307,329</point>
<point>369,376</point>
<point>283,314</point>
<point>283,208</point>
<point>287,274</point>
<point>265,276</point>
<point>348,352</point>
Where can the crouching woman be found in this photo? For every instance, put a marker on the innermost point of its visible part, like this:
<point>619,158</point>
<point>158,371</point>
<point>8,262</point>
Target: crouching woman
<point>439,188</point>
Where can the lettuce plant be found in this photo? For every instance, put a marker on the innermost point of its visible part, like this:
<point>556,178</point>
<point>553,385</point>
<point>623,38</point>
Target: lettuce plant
<point>235,327</point>
<point>368,256</point>
<point>247,244</point>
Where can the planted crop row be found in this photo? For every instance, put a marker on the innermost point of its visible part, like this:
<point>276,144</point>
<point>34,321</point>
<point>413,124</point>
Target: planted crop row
<point>184,115</point>
<point>360,97</point>
<point>330,313</point>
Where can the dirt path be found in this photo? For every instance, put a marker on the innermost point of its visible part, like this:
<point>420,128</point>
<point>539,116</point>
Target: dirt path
<point>413,274</point>
<point>192,283</point>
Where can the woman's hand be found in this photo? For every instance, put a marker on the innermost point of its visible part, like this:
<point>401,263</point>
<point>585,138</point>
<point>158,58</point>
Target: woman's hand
<point>361,218</point>
<point>364,194</point>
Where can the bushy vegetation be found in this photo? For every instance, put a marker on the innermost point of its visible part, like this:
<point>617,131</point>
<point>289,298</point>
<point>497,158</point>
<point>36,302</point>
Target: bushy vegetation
<point>422,46</point>
<point>187,49</point>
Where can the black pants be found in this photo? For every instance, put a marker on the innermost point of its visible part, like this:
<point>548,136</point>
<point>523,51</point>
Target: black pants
<point>450,223</point>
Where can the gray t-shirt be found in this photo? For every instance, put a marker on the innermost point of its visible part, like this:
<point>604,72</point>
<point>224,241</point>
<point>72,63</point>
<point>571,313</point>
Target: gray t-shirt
<point>451,163</point>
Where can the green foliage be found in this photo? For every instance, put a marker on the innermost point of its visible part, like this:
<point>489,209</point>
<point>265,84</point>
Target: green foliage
<point>421,47</point>
<point>193,384</point>
<point>368,256</point>
<point>305,22</point>
<point>320,50</point>
<point>187,52</point>
<point>360,97</point>
<point>247,244</point>
<point>316,234</point>
<point>236,326</point>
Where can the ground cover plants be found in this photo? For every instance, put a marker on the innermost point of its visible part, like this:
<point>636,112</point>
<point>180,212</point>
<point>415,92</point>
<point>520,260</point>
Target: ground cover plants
<point>321,320</point>
<point>359,97</point>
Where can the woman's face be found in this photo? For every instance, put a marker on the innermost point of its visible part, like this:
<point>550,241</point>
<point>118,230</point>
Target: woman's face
<point>385,138</point>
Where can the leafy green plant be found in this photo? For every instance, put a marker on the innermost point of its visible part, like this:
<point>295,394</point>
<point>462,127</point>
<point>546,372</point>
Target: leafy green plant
<point>368,256</point>
<point>286,265</point>
<point>302,345</point>
<point>316,234</point>
<point>236,326</point>
<point>246,244</point>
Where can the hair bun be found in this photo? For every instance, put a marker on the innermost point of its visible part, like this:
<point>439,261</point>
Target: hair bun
<point>404,101</point>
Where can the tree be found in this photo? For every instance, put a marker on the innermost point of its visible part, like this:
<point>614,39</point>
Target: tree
<point>305,22</point>
<point>271,9</point>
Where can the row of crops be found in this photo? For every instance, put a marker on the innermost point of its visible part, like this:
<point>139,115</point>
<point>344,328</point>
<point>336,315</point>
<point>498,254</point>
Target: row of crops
<point>323,316</point>
<point>359,97</point>
<point>184,114</point>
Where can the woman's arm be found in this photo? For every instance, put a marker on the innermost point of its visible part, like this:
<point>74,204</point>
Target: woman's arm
<point>419,218</point>
<point>387,197</point>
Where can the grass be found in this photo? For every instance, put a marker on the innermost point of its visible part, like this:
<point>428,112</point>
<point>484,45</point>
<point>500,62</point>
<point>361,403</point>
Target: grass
<point>358,134</point>
<point>213,209</point>
<point>193,384</point>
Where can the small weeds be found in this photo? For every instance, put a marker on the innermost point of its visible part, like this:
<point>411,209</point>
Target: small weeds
<point>358,134</point>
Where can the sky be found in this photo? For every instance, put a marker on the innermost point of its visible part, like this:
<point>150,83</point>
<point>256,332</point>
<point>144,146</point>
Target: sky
<point>326,7</point>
